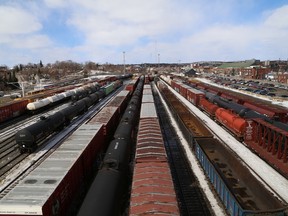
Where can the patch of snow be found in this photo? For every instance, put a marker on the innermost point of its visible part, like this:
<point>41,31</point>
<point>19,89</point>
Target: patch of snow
<point>195,166</point>
<point>275,180</point>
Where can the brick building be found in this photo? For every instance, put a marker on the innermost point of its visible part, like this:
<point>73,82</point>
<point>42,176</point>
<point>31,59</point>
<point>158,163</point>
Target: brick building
<point>254,72</point>
<point>283,77</point>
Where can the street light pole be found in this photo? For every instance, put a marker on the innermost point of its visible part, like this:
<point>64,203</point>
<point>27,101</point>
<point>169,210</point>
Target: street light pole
<point>23,89</point>
<point>124,69</point>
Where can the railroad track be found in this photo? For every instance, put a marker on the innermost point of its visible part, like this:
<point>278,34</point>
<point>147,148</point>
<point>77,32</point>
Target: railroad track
<point>260,184</point>
<point>26,121</point>
<point>189,193</point>
<point>10,175</point>
<point>260,178</point>
<point>10,155</point>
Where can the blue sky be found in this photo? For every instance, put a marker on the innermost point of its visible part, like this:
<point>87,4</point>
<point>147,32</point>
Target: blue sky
<point>177,30</point>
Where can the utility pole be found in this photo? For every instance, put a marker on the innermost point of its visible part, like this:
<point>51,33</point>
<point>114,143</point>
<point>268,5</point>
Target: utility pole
<point>23,88</point>
<point>21,84</point>
<point>124,69</point>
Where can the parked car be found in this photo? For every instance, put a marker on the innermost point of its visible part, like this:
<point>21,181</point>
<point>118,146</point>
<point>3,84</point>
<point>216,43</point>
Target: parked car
<point>271,94</point>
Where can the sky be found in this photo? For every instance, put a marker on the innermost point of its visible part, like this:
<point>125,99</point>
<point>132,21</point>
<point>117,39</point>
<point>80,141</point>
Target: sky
<point>142,31</point>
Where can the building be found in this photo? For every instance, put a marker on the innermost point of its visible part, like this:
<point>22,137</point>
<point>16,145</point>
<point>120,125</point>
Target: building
<point>283,77</point>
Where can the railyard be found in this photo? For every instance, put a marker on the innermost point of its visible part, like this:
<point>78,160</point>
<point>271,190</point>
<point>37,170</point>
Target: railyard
<point>183,140</point>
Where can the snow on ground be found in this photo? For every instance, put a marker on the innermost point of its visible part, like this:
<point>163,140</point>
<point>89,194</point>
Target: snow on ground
<point>218,209</point>
<point>276,181</point>
<point>281,103</point>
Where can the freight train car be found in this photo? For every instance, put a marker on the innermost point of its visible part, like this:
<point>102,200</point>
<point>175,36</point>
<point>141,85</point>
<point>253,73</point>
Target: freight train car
<point>277,113</point>
<point>106,80</point>
<point>274,112</point>
<point>12,109</point>
<point>192,95</point>
<point>108,116</point>
<point>55,186</point>
<point>239,190</point>
<point>257,131</point>
<point>18,107</point>
<point>232,122</point>
<point>152,186</point>
<point>266,137</point>
<point>229,176</point>
<point>239,109</point>
<point>120,100</point>
<point>131,86</point>
<point>270,143</point>
<point>108,88</point>
<point>28,138</point>
<point>84,91</point>
<point>107,194</point>
<point>183,116</point>
<point>33,101</point>
<point>208,107</point>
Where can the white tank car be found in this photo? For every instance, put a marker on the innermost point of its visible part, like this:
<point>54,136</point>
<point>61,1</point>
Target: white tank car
<point>38,104</point>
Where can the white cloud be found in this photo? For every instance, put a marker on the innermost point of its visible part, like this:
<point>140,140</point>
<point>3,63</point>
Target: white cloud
<point>56,3</point>
<point>17,21</point>
<point>184,30</point>
<point>125,22</point>
<point>278,18</point>
<point>35,41</point>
